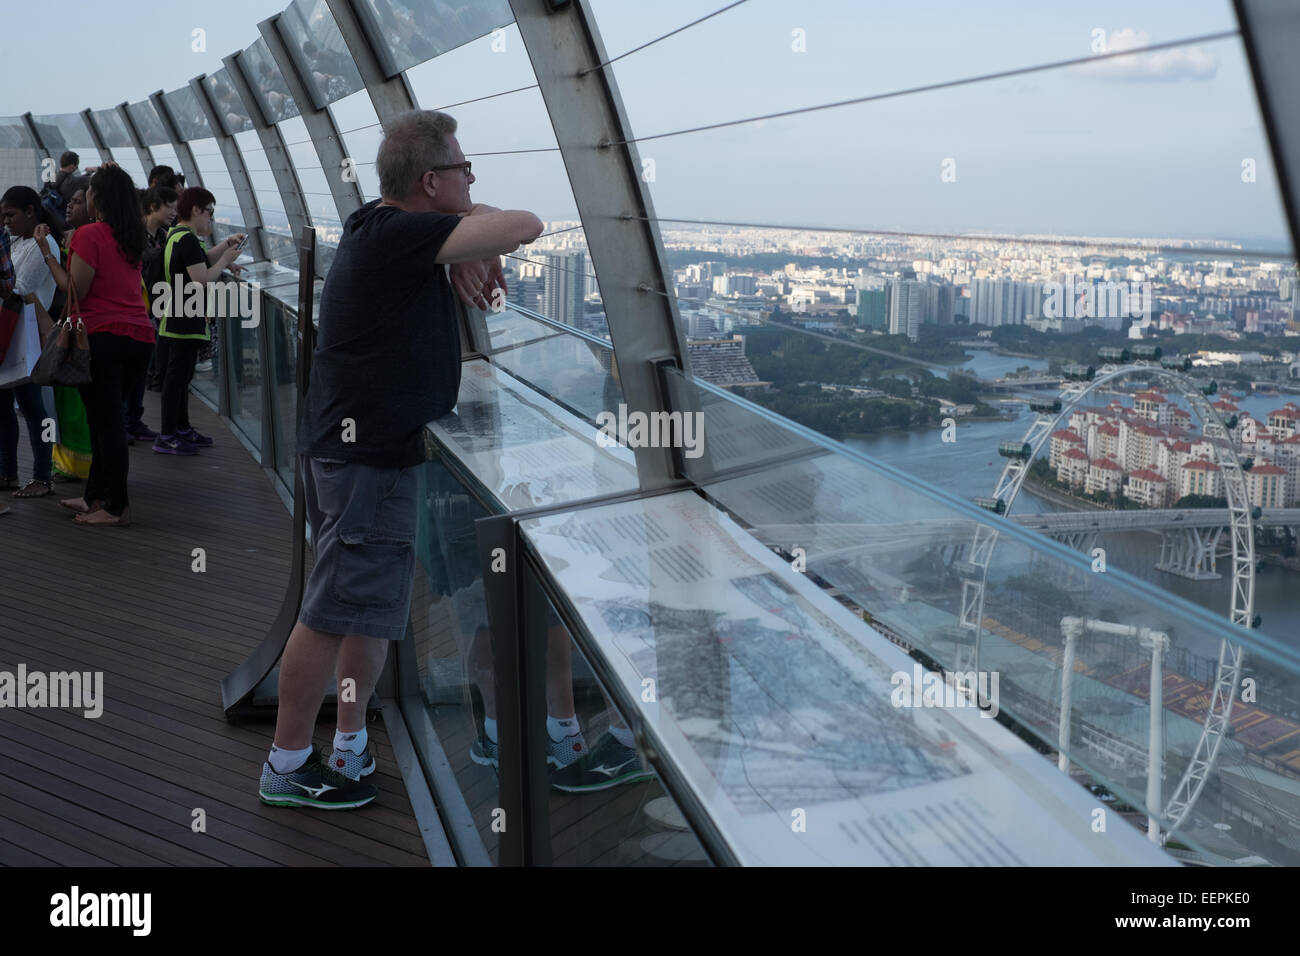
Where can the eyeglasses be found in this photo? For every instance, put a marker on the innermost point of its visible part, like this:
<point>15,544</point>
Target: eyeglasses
<point>464,166</point>
<point>210,210</point>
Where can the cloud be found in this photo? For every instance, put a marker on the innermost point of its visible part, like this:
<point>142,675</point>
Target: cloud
<point>1177,63</point>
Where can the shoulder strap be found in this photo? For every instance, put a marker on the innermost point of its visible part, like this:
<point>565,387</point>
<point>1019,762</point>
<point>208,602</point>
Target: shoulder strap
<point>177,233</point>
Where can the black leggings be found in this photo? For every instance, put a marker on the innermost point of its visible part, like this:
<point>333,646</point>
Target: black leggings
<point>116,362</point>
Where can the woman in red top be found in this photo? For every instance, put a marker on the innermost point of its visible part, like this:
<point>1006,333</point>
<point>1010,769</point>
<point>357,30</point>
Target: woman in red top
<point>104,269</point>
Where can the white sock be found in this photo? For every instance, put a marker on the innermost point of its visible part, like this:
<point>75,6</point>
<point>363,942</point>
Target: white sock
<point>490,728</point>
<point>287,761</point>
<point>623,736</point>
<point>356,742</point>
<point>559,728</point>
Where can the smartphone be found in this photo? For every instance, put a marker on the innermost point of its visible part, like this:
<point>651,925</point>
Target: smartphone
<point>243,242</point>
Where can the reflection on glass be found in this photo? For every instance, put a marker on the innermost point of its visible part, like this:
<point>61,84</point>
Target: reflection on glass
<point>244,356</point>
<point>111,128</point>
<point>282,329</point>
<point>607,806</point>
<point>570,369</point>
<point>268,82</point>
<point>230,108</point>
<point>522,450</point>
<point>452,644</point>
<point>186,113</point>
<point>412,31</point>
<point>318,50</point>
<point>147,123</point>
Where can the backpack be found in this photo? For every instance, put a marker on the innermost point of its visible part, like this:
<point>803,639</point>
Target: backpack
<point>53,202</point>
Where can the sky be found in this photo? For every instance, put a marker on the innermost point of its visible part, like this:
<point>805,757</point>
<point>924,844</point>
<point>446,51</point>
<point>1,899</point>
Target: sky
<point>1150,145</point>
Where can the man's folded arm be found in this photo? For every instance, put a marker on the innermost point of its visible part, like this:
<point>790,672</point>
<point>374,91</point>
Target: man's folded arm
<point>483,234</point>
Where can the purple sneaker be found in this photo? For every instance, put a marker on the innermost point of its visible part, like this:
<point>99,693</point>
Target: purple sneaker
<point>173,445</point>
<point>141,432</point>
<point>195,438</point>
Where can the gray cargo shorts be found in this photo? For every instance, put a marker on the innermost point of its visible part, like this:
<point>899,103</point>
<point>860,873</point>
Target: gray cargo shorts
<point>363,533</point>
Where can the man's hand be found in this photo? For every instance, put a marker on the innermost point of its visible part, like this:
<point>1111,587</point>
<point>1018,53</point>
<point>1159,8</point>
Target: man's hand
<point>476,282</point>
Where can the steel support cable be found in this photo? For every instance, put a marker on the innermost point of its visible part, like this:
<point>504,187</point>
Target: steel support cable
<point>946,84</point>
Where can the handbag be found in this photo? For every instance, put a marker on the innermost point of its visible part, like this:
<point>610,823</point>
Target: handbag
<point>65,359</point>
<point>9,319</point>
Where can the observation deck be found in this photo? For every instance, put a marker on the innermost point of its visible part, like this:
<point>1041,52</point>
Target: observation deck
<point>819,657</point>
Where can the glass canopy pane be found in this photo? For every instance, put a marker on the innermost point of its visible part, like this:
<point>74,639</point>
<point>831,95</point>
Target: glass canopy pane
<point>147,123</point>
<point>268,82</point>
<point>230,108</point>
<point>318,51</point>
<point>63,131</point>
<point>186,114</point>
<point>407,33</point>
<point>112,128</point>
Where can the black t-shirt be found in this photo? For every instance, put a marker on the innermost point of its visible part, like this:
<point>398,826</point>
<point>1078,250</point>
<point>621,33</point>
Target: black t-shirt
<point>185,253</point>
<point>388,349</point>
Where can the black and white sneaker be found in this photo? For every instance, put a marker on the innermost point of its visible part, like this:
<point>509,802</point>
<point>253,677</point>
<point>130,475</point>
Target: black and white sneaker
<point>610,764</point>
<point>485,752</point>
<point>313,785</point>
<point>353,765</point>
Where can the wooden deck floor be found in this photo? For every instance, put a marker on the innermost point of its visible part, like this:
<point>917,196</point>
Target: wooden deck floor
<point>122,789</point>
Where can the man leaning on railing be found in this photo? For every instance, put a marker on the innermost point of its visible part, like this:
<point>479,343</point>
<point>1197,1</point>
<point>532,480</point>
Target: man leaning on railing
<point>387,361</point>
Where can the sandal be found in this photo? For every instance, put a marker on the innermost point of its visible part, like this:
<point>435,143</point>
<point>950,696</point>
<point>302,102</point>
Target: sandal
<point>35,489</point>
<point>104,518</point>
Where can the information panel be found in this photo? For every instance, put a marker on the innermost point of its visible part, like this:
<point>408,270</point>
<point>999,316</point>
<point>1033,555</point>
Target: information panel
<point>796,724</point>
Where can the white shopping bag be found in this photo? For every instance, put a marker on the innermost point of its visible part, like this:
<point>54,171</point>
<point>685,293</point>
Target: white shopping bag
<point>24,349</point>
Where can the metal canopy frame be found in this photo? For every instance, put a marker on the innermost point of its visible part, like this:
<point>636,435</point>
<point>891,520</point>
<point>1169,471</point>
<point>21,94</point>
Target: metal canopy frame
<point>185,155</point>
<point>324,132</point>
<point>618,217</point>
<point>277,154</point>
<point>142,151</point>
<point>388,96</point>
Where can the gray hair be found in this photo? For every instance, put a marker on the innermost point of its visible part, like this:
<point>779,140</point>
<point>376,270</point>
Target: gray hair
<point>413,144</point>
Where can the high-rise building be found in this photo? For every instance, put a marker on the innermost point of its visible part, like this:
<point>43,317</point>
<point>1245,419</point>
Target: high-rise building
<point>907,301</point>
<point>565,287</point>
<point>873,309</point>
<point>995,302</point>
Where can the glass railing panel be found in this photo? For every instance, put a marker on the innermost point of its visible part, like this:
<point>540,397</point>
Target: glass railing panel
<point>282,332</point>
<point>244,355</point>
<point>987,594</point>
<point>406,34</point>
<point>521,450</point>
<point>210,370</point>
<point>452,643</point>
<point>595,818</point>
<point>576,371</point>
